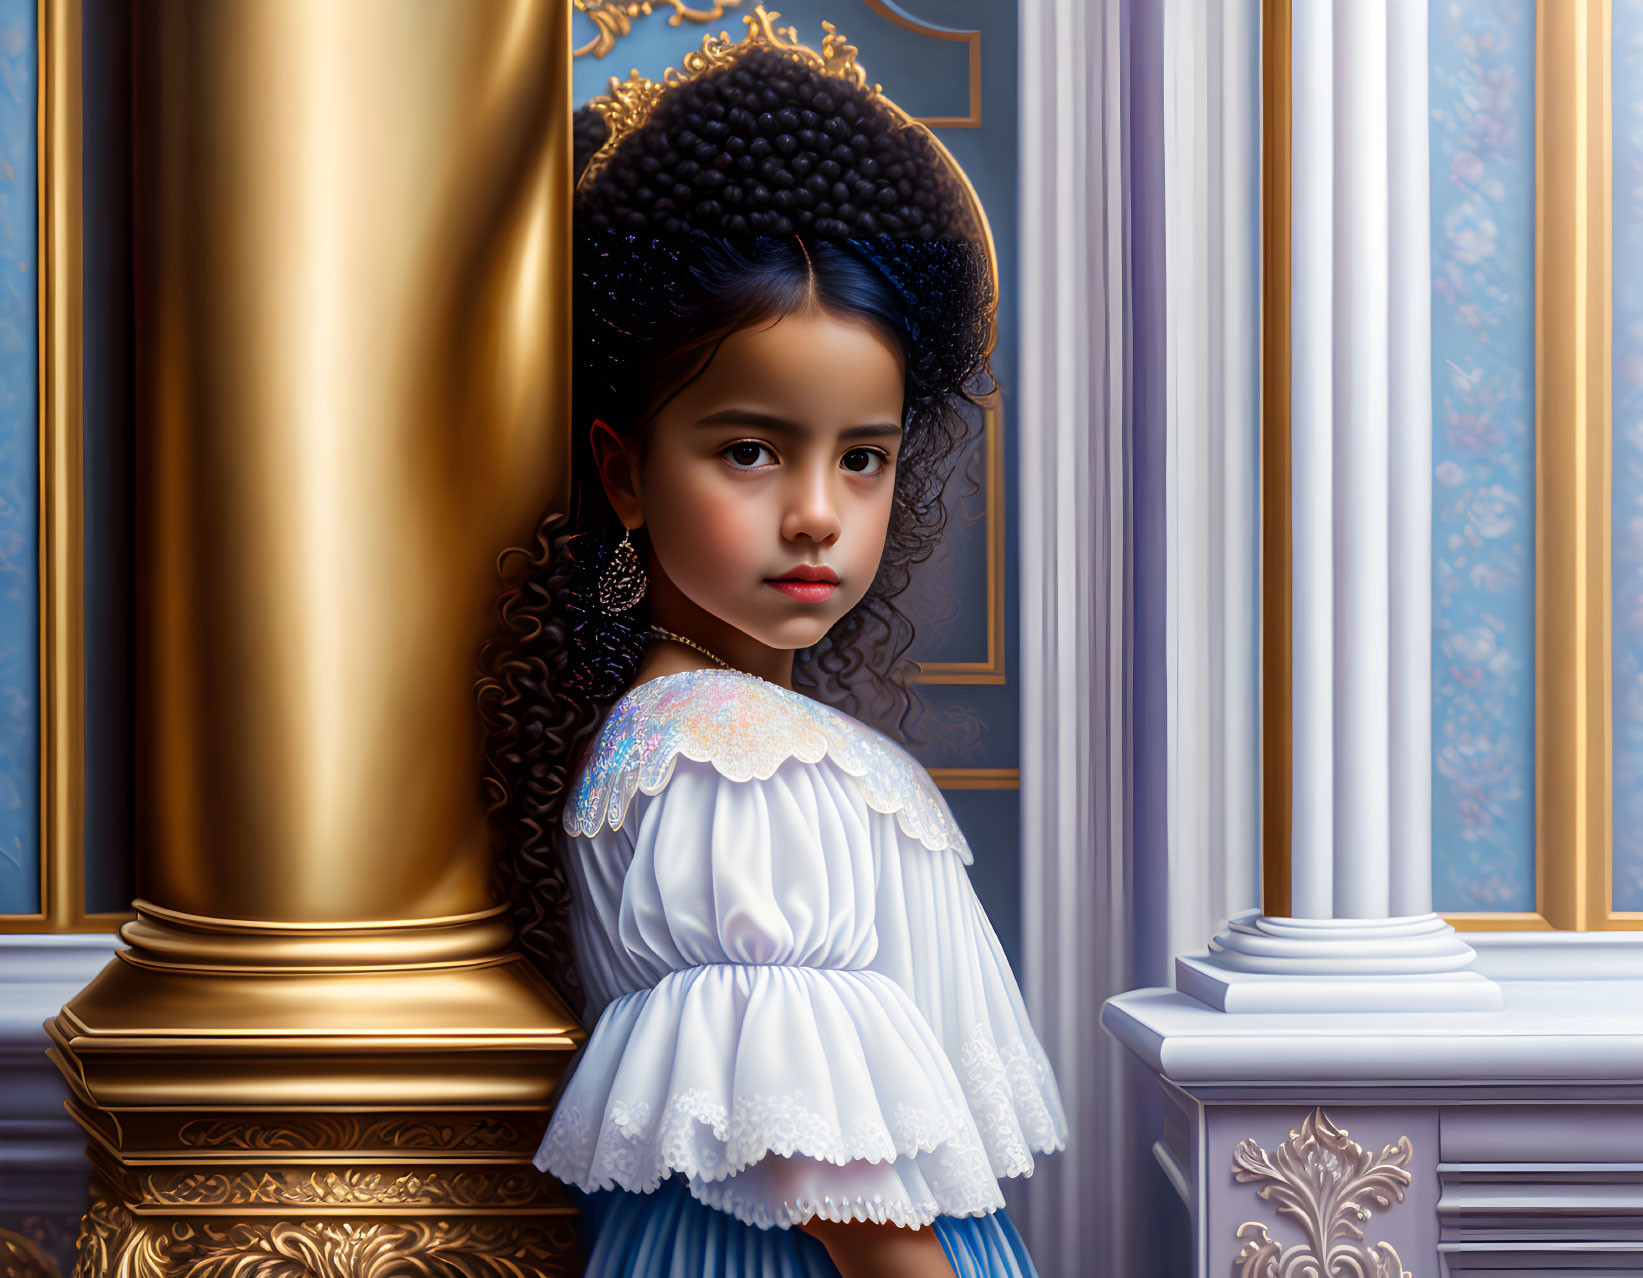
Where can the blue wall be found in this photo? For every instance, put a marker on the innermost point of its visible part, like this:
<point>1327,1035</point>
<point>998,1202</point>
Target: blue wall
<point>19,459</point>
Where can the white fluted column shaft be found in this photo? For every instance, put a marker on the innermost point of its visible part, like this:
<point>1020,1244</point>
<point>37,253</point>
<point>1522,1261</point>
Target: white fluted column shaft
<point>1361,543</point>
<point>1410,428</point>
<point>1312,461</point>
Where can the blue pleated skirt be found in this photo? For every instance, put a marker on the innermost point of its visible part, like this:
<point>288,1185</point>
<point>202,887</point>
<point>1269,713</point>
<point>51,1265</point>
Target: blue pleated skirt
<point>669,1234</point>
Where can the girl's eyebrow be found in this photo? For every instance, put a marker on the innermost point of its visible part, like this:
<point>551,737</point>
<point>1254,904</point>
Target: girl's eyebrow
<point>780,425</point>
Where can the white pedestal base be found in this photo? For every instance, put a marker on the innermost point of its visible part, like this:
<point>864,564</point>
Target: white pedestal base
<point>1413,964</point>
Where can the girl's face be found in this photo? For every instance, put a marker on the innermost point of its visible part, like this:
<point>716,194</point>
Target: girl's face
<point>766,484</point>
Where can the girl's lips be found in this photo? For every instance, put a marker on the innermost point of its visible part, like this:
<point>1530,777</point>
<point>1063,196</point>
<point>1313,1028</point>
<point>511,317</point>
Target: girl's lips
<point>805,591</point>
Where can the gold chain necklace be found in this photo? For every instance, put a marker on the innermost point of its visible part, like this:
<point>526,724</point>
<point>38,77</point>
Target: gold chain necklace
<point>662,633</point>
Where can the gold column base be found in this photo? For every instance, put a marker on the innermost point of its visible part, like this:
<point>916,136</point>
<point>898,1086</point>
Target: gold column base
<point>117,1241</point>
<point>279,1100</point>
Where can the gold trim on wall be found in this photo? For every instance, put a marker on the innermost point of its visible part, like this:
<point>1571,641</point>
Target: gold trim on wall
<point>1276,628</point>
<point>977,778</point>
<point>971,120</point>
<point>1573,273</point>
<point>991,670</point>
<point>1499,921</point>
<point>62,637</point>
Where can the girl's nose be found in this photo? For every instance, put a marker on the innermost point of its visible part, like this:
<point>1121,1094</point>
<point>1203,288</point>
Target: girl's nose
<point>812,508</point>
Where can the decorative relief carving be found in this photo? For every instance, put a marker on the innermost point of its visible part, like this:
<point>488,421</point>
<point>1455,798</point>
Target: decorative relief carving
<point>348,1131</point>
<point>116,1242</point>
<point>614,19</point>
<point>1330,1185</point>
<point>345,1188</point>
<point>22,1257</point>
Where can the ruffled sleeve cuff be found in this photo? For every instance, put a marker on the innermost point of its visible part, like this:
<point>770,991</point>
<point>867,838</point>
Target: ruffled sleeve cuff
<point>936,943</point>
<point>782,1093</point>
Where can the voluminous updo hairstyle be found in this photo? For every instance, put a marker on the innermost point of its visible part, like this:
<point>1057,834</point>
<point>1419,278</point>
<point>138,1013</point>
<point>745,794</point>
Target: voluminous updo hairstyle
<point>753,191</point>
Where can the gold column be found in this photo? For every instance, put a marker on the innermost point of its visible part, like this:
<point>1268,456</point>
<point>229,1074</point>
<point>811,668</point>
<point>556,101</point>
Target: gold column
<point>1573,207</point>
<point>351,336</point>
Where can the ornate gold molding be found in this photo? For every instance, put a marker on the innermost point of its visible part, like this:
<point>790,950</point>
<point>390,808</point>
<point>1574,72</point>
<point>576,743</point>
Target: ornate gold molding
<point>351,1187</point>
<point>1573,268</point>
<point>118,1242</point>
<point>1329,1185</point>
<point>402,1133</point>
<point>614,19</point>
<point>22,1257</point>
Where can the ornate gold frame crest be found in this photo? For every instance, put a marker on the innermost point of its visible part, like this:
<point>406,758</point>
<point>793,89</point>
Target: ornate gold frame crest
<point>630,103</point>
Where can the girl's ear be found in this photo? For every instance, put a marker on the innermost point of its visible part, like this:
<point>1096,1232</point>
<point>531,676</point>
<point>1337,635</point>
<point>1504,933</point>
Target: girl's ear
<point>619,473</point>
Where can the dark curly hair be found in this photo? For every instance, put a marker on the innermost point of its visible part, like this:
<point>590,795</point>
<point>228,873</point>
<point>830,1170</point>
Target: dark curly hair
<point>753,192</point>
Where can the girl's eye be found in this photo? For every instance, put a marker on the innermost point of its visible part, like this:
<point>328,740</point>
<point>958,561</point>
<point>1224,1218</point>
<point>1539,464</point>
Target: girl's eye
<point>748,455</point>
<point>864,461</point>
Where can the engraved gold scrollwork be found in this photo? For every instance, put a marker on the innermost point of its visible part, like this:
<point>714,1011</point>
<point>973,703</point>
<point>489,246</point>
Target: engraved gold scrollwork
<point>352,1188</point>
<point>613,19</point>
<point>116,1242</point>
<point>22,1257</point>
<point>327,1131</point>
<point>1330,1185</point>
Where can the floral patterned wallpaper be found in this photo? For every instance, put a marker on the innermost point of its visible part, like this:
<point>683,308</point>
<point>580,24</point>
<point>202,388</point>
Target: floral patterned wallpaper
<point>1483,410</point>
<point>1628,454</point>
<point>19,577</point>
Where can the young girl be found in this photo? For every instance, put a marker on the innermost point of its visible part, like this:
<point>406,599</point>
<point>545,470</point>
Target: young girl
<point>808,1053</point>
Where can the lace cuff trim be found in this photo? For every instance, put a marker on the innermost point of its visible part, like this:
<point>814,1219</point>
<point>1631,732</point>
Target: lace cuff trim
<point>1013,1099</point>
<point>746,728</point>
<point>783,1125</point>
<point>876,1208</point>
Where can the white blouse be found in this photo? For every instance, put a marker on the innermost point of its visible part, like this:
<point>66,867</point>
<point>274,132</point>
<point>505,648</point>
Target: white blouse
<point>800,1004</point>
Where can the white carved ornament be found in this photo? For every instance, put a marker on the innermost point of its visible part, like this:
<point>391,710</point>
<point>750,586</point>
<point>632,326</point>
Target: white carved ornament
<point>1330,1185</point>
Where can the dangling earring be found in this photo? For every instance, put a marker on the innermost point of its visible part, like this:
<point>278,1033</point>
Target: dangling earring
<point>622,581</point>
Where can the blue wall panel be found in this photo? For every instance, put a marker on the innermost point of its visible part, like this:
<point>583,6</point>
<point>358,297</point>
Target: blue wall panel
<point>1483,415</point>
<point>19,485</point>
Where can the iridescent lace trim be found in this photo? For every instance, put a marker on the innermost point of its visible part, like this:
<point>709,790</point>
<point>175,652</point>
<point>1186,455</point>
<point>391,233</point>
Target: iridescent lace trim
<point>747,728</point>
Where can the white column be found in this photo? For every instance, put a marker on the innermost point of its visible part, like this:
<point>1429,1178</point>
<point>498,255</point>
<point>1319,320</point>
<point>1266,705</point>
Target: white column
<point>1312,461</point>
<point>1361,935</point>
<point>1411,458</point>
<point>1237,393</point>
<point>1362,656</point>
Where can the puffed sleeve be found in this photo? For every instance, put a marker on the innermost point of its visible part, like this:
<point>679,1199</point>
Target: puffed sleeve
<point>936,942</point>
<point>771,1062</point>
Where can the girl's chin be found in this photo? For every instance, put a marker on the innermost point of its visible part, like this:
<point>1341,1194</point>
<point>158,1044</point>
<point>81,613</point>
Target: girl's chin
<point>792,633</point>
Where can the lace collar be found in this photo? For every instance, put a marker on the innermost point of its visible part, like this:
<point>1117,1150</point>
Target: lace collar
<point>746,728</point>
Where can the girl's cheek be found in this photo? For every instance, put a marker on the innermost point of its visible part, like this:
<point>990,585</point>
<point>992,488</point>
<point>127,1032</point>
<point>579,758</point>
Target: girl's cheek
<point>715,529</point>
